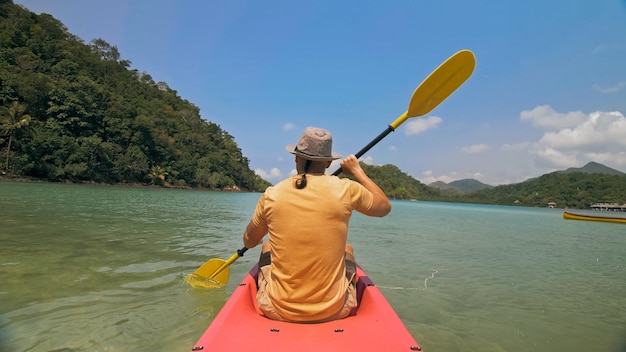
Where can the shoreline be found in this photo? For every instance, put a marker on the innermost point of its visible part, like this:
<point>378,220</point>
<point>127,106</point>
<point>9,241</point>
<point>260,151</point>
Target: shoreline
<point>12,178</point>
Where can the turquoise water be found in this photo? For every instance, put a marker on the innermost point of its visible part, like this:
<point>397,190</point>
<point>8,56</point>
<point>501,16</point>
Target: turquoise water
<point>98,268</point>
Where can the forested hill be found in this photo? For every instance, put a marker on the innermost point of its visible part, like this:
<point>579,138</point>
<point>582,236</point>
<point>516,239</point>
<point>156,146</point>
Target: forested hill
<point>399,185</point>
<point>576,188</point>
<point>567,190</point>
<point>78,112</point>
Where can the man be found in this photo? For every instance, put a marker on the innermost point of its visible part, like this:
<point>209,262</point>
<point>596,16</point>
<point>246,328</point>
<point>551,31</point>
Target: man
<point>307,268</point>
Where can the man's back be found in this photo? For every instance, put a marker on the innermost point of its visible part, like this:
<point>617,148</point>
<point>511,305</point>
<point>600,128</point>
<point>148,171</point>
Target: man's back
<point>308,233</point>
<point>302,267</point>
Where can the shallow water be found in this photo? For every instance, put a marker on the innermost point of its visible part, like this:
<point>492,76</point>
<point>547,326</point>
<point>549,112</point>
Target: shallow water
<point>98,268</point>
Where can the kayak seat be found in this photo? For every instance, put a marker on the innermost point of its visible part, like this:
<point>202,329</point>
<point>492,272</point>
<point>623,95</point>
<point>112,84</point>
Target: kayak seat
<point>362,282</point>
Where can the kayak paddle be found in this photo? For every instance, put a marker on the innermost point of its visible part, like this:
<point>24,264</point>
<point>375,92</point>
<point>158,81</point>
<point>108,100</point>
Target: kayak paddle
<point>214,273</point>
<point>444,80</point>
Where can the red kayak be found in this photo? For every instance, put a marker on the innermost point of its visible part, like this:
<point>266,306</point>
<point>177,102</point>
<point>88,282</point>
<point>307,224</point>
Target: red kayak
<point>239,326</point>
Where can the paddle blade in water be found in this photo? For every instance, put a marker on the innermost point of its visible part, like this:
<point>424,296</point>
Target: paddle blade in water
<point>196,281</point>
<point>215,269</point>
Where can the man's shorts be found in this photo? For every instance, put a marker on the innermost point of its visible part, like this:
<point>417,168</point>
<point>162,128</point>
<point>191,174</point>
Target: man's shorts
<point>268,310</point>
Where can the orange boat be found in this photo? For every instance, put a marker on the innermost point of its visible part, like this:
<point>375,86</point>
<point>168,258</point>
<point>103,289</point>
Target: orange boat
<point>239,326</point>
<point>572,216</point>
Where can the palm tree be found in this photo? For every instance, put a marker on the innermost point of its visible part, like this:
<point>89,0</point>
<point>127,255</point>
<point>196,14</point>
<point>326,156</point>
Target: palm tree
<point>157,174</point>
<point>12,118</point>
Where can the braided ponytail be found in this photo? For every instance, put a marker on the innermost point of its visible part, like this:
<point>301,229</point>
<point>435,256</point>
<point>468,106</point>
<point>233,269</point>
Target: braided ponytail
<point>301,183</point>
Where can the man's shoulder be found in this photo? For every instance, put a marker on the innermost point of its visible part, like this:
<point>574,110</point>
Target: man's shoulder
<point>285,182</point>
<point>280,186</point>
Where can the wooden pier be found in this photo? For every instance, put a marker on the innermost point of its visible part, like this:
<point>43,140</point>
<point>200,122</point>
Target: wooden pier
<point>608,207</point>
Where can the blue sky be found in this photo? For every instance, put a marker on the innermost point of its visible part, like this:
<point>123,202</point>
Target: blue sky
<point>548,91</point>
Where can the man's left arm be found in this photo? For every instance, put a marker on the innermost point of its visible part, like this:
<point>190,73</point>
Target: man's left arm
<point>253,235</point>
<point>257,227</point>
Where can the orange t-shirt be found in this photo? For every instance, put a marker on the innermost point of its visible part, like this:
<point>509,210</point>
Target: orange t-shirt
<point>308,230</point>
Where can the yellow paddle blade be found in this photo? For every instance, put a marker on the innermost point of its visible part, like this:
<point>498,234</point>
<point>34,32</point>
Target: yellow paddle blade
<point>196,281</point>
<point>214,273</point>
<point>449,76</point>
<point>210,267</point>
<point>214,269</point>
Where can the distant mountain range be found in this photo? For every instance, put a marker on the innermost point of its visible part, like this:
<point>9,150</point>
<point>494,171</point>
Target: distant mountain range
<point>593,168</point>
<point>469,185</point>
<point>460,186</point>
<point>576,188</point>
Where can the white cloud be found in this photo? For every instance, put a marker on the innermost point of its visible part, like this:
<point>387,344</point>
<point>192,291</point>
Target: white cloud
<point>475,149</point>
<point>550,158</point>
<point>273,174</point>
<point>478,176</point>
<point>545,116</point>
<point>288,126</point>
<point>604,131</point>
<point>565,139</point>
<point>428,178</point>
<point>515,147</point>
<point>615,158</point>
<point>418,126</point>
<point>600,137</point>
<point>367,160</point>
<point>392,148</point>
<point>613,89</point>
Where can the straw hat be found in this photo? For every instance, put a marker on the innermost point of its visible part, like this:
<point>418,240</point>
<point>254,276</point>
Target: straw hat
<point>314,144</point>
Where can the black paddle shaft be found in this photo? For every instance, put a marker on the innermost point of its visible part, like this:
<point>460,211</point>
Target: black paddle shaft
<point>369,146</point>
<point>241,251</point>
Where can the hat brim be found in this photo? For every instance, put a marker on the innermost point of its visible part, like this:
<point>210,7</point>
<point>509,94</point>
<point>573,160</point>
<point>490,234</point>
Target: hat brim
<point>291,148</point>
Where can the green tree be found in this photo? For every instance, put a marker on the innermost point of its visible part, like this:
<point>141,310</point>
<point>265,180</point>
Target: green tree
<point>132,165</point>
<point>157,175</point>
<point>12,118</point>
